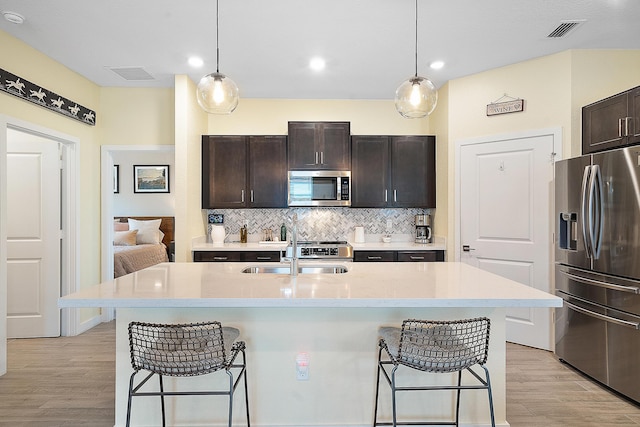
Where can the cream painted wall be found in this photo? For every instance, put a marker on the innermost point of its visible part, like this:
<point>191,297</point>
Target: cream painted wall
<point>137,116</point>
<point>190,125</point>
<point>30,64</point>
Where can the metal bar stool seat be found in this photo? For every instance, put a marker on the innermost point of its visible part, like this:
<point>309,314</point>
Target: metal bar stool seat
<point>437,347</point>
<point>184,350</point>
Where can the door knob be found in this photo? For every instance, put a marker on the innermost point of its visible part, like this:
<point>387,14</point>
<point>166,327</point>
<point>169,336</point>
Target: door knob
<point>466,248</point>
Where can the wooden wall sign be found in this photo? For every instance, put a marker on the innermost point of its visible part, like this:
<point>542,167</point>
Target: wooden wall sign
<point>24,89</point>
<point>514,106</point>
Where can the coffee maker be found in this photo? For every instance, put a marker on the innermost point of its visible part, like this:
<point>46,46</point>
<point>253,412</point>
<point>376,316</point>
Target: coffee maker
<point>423,228</point>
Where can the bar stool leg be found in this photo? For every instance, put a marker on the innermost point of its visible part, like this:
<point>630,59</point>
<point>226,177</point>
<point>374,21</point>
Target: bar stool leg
<point>493,421</point>
<point>458,398</point>
<point>128,423</point>
<point>164,423</point>
<point>246,388</point>
<point>230,397</point>
<point>375,407</point>
<point>393,394</point>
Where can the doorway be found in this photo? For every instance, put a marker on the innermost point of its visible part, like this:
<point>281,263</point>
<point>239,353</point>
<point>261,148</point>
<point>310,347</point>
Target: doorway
<point>504,218</point>
<point>69,215</point>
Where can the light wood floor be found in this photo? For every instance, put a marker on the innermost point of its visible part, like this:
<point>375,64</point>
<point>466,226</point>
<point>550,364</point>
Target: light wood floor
<point>54,382</point>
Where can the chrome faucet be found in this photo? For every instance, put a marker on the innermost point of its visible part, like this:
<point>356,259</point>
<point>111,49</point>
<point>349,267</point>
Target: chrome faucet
<point>294,245</point>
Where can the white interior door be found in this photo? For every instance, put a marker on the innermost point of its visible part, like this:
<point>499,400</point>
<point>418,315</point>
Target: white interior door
<point>33,235</point>
<point>505,221</point>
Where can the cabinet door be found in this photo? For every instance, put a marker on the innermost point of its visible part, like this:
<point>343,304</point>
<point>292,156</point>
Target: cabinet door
<point>603,124</point>
<point>263,256</point>
<point>374,256</point>
<point>302,150</point>
<point>224,171</point>
<point>217,256</point>
<point>267,172</point>
<point>369,171</point>
<point>417,256</point>
<point>413,171</point>
<point>634,113</point>
<point>334,147</point>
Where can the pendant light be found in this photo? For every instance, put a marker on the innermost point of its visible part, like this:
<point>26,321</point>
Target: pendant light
<point>416,97</point>
<point>217,93</point>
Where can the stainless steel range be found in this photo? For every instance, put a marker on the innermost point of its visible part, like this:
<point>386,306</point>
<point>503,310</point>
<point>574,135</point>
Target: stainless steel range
<point>325,250</point>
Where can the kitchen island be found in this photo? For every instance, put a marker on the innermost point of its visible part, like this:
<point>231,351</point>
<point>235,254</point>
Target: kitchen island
<point>333,318</point>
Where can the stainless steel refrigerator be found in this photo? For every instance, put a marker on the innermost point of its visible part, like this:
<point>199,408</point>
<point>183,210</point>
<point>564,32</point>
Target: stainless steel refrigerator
<point>598,266</point>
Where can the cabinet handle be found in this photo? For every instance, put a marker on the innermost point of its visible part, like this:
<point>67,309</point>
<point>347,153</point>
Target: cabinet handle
<point>251,196</point>
<point>626,125</point>
<point>220,258</point>
<point>416,258</point>
<point>242,196</point>
<point>322,157</point>
<point>316,158</point>
<point>395,195</point>
<point>373,257</point>
<point>263,258</point>
<point>620,128</point>
<point>385,196</point>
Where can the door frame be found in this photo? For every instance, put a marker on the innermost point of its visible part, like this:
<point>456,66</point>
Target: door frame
<point>70,219</point>
<point>556,132</point>
<point>106,200</point>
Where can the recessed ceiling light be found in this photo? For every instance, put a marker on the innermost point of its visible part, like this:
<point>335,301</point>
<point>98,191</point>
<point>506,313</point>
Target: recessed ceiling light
<point>317,64</point>
<point>13,17</point>
<point>196,61</point>
<point>436,65</point>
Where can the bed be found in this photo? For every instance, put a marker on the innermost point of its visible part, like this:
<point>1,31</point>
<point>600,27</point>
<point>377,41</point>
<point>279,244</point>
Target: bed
<point>140,242</point>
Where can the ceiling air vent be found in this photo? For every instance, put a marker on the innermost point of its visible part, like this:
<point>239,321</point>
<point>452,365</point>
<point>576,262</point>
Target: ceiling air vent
<point>132,73</point>
<point>564,28</point>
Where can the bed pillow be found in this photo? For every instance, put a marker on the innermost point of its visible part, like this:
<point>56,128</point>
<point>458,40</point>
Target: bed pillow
<point>148,231</point>
<point>120,226</point>
<point>125,238</point>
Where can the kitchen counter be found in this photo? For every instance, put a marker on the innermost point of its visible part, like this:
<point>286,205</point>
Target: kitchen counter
<point>372,245</point>
<point>185,285</point>
<point>333,318</point>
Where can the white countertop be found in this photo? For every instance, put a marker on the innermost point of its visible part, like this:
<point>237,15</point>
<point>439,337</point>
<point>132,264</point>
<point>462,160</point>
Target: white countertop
<point>189,285</point>
<point>439,245</point>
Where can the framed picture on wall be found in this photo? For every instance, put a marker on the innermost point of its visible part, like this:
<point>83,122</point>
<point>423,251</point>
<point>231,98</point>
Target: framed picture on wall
<point>151,178</point>
<point>116,178</point>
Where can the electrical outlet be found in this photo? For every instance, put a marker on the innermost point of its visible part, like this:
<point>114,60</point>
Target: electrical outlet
<point>302,367</point>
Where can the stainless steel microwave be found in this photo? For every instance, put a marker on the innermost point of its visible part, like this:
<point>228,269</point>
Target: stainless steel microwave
<point>319,188</point>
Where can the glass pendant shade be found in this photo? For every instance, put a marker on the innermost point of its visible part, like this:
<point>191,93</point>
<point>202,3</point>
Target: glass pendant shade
<point>217,94</point>
<point>416,98</point>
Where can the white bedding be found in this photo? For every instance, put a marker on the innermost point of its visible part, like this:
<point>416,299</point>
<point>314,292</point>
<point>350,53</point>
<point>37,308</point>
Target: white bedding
<point>127,259</point>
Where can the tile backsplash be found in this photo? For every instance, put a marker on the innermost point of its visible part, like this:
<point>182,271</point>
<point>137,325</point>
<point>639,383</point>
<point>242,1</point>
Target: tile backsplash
<point>319,223</point>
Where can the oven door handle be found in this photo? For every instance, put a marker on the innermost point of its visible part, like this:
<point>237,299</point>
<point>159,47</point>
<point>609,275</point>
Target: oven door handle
<point>630,289</point>
<point>633,325</point>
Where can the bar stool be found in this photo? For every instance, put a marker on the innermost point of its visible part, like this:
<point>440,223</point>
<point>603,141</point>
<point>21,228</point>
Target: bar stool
<point>184,350</point>
<point>434,346</point>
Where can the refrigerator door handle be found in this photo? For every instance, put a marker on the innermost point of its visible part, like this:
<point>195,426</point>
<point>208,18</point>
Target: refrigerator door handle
<point>598,196</point>
<point>633,325</point>
<point>584,210</point>
<point>630,289</point>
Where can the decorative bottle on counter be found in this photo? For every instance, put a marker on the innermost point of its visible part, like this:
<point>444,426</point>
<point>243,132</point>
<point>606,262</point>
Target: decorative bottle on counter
<point>243,234</point>
<point>283,233</point>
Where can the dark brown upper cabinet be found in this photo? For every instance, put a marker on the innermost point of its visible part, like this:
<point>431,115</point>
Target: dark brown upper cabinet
<point>244,172</point>
<point>612,122</point>
<point>319,146</point>
<point>393,171</point>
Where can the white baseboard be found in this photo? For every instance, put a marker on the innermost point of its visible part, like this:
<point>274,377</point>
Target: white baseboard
<point>88,324</point>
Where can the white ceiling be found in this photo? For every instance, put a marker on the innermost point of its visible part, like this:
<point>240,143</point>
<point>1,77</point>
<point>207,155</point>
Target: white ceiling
<point>265,46</point>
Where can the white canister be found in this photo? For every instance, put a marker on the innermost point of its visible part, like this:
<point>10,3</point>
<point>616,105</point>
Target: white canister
<point>218,234</point>
<point>359,235</point>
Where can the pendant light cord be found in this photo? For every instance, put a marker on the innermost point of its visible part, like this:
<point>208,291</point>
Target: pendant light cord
<point>218,36</point>
<point>416,38</point>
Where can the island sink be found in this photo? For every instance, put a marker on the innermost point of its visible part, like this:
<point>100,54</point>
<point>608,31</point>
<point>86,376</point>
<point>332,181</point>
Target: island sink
<point>302,269</point>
